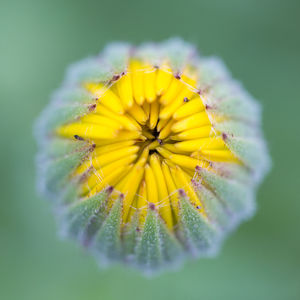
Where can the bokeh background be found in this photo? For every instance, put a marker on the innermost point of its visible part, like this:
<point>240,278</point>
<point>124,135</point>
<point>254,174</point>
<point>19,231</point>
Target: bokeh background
<point>259,41</point>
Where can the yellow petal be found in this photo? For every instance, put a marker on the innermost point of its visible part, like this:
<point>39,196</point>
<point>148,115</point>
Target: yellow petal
<point>138,114</point>
<point>101,120</point>
<point>152,193</point>
<point>142,203</point>
<point>124,87</point>
<point>136,70</point>
<point>98,175</point>
<point>181,160</point>
<point>191,107</point>
<point>106,158</point>
<point>146,108</point>
<point>112,147</point>
<point>163,80</point>
<point>154,111</point>
<point>216,155</point>
<point>161,124</point>
<point>129,135</point>
<point>178,102</point>
<point>130,189</point>
<point>172,190</point>
<point>183,181</point>
<point>164,205</point>
<point>166,131</point>
<point>194,121</point>
<point>149,84</point>
<point>195,133</point>
<point>174,89</point>
<point>173,149</point>
<point>89,131</point>
<point>109,180</point>
<point>106,97</point>
<point>124,120</point>
<point>144,155</point>
<point>212,143</point>
<point>153,145</point>
<point>121,136</point>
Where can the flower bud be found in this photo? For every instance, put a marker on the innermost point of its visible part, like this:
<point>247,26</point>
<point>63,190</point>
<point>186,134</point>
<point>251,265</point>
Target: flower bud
<point>150,154</point>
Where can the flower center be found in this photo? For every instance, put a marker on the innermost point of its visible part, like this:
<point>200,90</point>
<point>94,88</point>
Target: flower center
<point>150,131</point>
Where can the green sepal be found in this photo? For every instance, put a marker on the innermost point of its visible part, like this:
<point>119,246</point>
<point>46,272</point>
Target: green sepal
<point>67,105</point>
<point>157,246</point>
<point>59,147</point>
<point>237,197</point>
<point>72,95</point>
<point>233,170</point>
<point>199,236</point>
<point>148,252</point>
<point>53,174</point>
<point>95,223</point>
<point>106,244</point>
<point>172,251</point>
<point>149,53</point>
<point>252,152</point>
<point>62,114</point>
<point>214,208</point>
<point>210,71</point>
<point>178,52</point>
<point>131,235</point>
<point>88,70</point>
<point>237,129</point>
<point>54,151</point>
<point>237,106</point>
<point>116,55</point>
<point>77,217</point>
<point>68,195</point>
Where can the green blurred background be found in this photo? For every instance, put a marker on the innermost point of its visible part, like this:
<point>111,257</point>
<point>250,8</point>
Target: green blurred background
<point>260,43</point>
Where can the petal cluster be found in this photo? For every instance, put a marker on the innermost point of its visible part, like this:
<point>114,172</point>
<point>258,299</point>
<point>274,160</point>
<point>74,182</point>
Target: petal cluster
<point>150,154</point>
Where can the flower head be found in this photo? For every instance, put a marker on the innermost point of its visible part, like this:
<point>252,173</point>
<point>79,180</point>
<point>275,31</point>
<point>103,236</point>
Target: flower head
<point>151,153</point>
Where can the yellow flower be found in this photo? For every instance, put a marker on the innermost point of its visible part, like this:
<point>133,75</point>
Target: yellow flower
<point>150,130</point>
<point>165,144</point>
